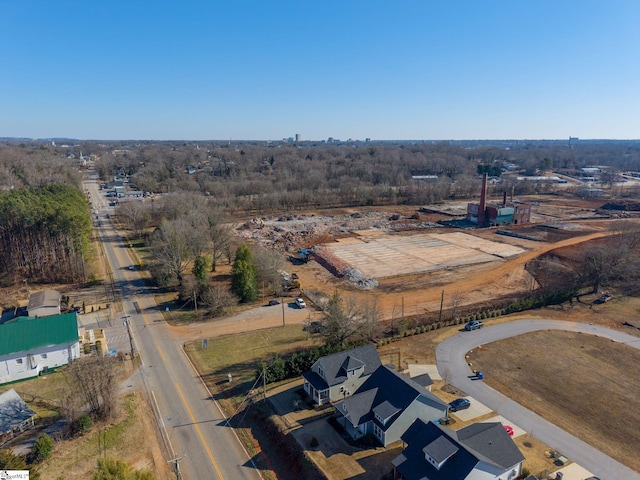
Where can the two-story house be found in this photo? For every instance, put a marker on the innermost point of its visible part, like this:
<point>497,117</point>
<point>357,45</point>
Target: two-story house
<point>337,376</point>
<point>386,405</point>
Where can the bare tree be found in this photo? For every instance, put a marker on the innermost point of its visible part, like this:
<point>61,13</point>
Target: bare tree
<point>135,216</point>
<point>267,263</point>
<point>601,264</point>
<point>456,299</point>
<point>96,379</point>
<point>371,317</point>
<point>346,319</point>
<point>218,299</point>
<point>220,234</point>
<point>170,246</point>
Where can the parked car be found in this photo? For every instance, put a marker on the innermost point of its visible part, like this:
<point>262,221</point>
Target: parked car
<point>473,325</point>
<point>508,429</point>
<point>132,267</point>
<point>273,302</point>
<point>459,404</point>
<point>301,303</point>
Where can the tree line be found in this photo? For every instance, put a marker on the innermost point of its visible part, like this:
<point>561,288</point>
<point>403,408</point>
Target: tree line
<point>44,233</point>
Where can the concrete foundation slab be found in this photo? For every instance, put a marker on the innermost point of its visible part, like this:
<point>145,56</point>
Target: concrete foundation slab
<point>395,255</point>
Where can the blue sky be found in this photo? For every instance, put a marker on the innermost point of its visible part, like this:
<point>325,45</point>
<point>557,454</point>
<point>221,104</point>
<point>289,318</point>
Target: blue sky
<point>235,69</point>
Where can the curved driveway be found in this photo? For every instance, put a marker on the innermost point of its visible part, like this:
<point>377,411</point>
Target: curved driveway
<point>450,357</point>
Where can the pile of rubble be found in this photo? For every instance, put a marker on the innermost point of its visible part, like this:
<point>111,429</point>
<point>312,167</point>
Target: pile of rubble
<point>296,231</point>
<point>356,277</point>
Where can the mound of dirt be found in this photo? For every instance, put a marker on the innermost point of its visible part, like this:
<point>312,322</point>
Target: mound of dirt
<point>626,205</point>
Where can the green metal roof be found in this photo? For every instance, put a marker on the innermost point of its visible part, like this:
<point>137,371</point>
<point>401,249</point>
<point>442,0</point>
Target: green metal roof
<point>28,333</point>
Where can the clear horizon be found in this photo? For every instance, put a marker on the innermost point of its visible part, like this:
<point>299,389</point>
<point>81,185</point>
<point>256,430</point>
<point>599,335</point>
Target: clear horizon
<point>422,70</point>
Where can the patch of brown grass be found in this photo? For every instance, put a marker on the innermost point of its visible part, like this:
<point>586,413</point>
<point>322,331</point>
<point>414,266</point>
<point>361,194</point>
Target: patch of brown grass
<point>585,384</point>
<point>131,438</point>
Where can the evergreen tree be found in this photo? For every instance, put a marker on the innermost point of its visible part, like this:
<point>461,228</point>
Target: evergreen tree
<point>244,277</point>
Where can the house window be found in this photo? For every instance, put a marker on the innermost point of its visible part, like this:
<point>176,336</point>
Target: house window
<point>380,419</point>
<point>43,355</point>
<point>378,432</point>
<point>19,361</point>
<point>341,388</point>
<point>321,372</point>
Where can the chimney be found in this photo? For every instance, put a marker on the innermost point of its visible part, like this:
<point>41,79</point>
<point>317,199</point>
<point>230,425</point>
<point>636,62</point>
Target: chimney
<point>483,201</point>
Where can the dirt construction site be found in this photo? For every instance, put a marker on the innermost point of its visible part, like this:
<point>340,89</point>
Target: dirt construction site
<point>406,257</point>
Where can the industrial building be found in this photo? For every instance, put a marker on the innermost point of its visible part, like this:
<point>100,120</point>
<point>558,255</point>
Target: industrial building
<point>505,213</point>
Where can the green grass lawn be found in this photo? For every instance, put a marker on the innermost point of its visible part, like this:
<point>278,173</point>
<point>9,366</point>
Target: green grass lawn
<point>240,355</point>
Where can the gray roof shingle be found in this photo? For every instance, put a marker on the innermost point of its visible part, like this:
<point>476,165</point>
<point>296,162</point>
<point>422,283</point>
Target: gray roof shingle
<point>385,390</point>
<point>333,366</point>
<point>486,442</point>
<point>13,411</point>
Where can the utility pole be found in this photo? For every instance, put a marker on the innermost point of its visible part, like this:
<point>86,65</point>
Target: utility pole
<point>282,298</point>
<point>127,323</point>
<point>176,462</point>
<point>441,303</point>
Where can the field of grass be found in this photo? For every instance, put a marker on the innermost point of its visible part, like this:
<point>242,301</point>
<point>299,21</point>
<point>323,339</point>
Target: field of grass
<point>586,385</point>
<point>240,355</point>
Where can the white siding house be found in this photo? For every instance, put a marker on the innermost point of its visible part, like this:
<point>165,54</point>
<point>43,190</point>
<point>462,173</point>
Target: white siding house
<point>30,346</point>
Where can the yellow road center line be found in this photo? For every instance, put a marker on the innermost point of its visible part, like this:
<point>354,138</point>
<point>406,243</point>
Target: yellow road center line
<point>206,445</point>
<point>164,359</point>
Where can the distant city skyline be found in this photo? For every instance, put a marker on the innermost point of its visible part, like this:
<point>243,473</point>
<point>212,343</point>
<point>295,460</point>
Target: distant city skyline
<point>253,70</point>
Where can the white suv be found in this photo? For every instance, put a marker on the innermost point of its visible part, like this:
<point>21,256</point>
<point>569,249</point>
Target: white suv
<point>300,303</point>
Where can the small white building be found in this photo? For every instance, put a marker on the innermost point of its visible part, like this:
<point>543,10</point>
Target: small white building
<point>30,346</point>
<point>44,303</point>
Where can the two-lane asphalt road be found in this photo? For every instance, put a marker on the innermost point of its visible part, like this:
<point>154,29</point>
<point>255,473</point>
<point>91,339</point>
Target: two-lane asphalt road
<point>450,357</point>
<point>195,427</point>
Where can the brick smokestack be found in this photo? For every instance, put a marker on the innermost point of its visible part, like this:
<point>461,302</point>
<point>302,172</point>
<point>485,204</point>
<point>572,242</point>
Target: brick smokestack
<point>483,201</point>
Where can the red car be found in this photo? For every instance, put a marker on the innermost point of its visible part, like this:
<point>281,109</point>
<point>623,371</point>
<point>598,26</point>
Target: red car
<point>508,429</point>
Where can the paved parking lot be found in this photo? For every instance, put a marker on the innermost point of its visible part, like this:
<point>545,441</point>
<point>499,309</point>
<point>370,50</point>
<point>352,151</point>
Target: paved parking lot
<point>114,330</point>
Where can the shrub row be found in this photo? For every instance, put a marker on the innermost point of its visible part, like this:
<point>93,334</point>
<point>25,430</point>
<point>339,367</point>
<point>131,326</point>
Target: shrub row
<point>294,365</point>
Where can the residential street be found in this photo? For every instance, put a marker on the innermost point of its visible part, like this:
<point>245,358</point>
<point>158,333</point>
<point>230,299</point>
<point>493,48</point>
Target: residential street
<point>450,356</point>
<point>195,428</point>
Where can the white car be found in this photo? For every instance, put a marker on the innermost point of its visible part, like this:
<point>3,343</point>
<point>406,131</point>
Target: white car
<point>300,303</point>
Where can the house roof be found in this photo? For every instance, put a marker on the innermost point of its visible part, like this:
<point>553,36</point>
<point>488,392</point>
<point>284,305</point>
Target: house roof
<point>13,411</point>
<point>316,380</point>
<point>335,366</point>
<point>385,392</point>
<point>44,298</point>
<point>490,443</point>
<point>424,380</point>
<point>28,333</point>
<point>480,442</point>
<point>440,449</point>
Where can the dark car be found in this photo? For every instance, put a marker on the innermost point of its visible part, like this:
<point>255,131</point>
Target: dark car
<point>473,325</point>
<point>459,404</point>
<point>273,302</point>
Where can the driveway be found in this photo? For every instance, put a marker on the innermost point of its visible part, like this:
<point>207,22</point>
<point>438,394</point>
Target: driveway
<point>450,357</point>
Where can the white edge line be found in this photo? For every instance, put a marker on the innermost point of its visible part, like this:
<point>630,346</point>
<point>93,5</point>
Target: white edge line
<point>220,409</point>
<point>165,437</point>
